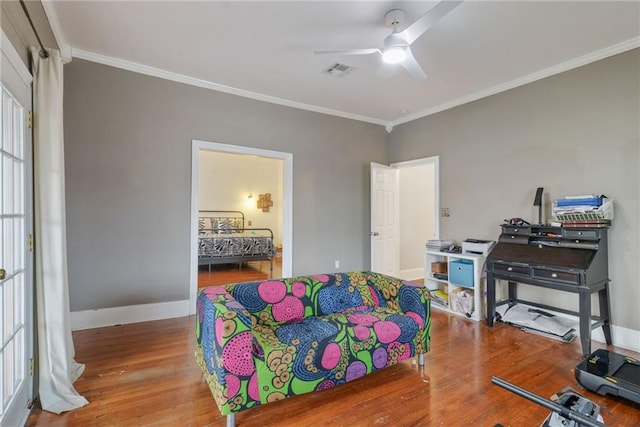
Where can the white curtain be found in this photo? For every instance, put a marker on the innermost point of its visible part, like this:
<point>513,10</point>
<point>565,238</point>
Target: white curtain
<point>56,365</point>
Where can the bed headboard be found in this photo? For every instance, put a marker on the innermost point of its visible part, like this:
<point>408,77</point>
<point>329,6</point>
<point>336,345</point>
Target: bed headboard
<point>220,221</point>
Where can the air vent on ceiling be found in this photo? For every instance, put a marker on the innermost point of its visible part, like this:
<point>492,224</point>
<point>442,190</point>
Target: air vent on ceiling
<point>338,70</point>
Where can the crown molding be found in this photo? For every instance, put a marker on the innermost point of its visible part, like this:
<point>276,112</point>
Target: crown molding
<point>56,28</point>
<point>530,78</point>
<point>181,78</point>
<point>68,53</point>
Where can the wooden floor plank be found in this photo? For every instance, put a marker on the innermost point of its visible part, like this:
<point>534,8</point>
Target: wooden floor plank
<point>234,273</point>
<point>145,374</point>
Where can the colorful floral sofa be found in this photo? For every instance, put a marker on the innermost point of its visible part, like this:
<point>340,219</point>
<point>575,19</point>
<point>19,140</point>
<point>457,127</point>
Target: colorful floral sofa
<point>258,342</point>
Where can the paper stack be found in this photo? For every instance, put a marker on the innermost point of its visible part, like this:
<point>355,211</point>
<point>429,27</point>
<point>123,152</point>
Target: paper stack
<point>539,322</point>
<point>584,210</point>
<point>438,245</point>
<point>440,297</point>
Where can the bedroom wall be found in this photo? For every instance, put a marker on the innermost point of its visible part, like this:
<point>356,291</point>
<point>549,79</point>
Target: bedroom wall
<point>574,133</point>
<point>128,170</point>
<point>226,180</point>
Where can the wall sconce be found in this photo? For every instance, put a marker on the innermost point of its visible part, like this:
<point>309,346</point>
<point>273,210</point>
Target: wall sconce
<point>250,196</point>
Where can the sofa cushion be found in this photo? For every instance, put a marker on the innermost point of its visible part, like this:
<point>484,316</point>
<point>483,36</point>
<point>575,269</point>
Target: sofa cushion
<point>321,352</point>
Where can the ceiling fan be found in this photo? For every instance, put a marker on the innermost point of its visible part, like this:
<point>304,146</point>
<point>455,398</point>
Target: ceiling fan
<point>397,45</point>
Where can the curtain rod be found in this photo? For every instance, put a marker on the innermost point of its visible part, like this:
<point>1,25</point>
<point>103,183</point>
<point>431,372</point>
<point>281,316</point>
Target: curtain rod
<point>43,51</point>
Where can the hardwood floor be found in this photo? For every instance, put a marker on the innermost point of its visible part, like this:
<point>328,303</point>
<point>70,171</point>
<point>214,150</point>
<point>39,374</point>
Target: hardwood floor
<point>145,374</point>
<point>231,273</point>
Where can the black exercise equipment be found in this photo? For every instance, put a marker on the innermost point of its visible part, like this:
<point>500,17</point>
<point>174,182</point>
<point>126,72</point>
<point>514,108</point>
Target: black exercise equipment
<point>565,409</point>
<point>606,372</point>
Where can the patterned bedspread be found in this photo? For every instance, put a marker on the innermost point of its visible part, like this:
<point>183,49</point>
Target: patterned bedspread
<point>234,244</point>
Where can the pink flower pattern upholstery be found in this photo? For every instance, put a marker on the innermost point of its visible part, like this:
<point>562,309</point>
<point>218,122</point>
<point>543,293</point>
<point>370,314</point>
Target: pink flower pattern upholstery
<point>258,342</point>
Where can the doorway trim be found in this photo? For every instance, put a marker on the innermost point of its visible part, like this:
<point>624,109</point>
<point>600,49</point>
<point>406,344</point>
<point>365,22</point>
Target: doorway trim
<point>287,205</point>
<point>16,83</point>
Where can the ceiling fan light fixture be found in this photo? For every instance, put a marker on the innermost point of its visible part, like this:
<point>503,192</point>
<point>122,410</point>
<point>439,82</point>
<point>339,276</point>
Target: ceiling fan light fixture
<point>396,46</point>
<point>394,55</point>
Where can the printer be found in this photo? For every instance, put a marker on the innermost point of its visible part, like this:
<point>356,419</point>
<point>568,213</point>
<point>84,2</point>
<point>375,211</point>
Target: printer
<point>476,246</point>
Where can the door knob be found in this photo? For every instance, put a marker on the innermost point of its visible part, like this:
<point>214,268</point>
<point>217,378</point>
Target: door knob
<point>3,273</point>
<point>374,234</point>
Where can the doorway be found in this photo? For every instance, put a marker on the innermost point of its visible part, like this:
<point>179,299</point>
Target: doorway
<point>200,150</point>
<point>418,213</point>
<point>404,215</point>
<point>246,190</point>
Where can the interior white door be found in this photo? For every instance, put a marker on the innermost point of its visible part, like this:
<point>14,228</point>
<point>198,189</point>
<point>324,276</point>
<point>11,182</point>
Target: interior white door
<point>16,260</point>
<point>385,243</point>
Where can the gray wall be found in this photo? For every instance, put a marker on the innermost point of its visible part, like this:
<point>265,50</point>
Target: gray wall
<point>574,133</point>
<point>128,181</point>
<point>128,169</point>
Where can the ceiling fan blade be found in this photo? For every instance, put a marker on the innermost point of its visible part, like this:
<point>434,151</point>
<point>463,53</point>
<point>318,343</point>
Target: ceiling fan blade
<point>348,51</point>
<point>411,65</point>
<point>426,21</point>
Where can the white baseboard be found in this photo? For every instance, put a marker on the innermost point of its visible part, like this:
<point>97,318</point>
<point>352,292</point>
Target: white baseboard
<point>620,336</point>
<point>411,274</point>
<point>128,314</point>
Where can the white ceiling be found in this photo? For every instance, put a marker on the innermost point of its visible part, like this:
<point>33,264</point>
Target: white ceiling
<point>264,49</point>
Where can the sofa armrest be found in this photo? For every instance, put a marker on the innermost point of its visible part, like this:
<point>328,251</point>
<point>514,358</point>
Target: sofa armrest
<point>407,298</point>
<point>224,350</point>
<point>393,291</point>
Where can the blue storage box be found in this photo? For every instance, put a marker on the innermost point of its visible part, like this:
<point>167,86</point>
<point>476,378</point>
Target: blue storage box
<point>580,201</point>
<point>461,272</point>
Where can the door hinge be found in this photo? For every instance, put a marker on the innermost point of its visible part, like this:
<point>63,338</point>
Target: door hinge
<point>31,243</point>
<point>31,367</point>
<point>30,119</point>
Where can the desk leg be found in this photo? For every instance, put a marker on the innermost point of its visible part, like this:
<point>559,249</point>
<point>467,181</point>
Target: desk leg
<point>491,298</point>
<point>605,312</point>
<point>585,322</point>
<point>513,293</point>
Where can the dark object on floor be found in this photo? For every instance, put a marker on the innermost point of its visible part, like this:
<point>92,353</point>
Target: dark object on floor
<point>570,399</point>
<point>569,417</point>
<point>606,372</point>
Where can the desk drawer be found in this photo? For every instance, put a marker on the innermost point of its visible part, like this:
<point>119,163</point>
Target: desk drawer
<point>516,230</point>
<point>581,234</point>
<point>579,244</point>
<point>513,238</point>
<point>511,269</point>
<point>557,275</point>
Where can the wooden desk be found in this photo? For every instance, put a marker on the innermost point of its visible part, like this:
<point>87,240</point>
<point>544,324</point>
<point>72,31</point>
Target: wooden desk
<point>571,260</point>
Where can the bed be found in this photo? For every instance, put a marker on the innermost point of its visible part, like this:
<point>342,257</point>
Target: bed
<point>223,239</point>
